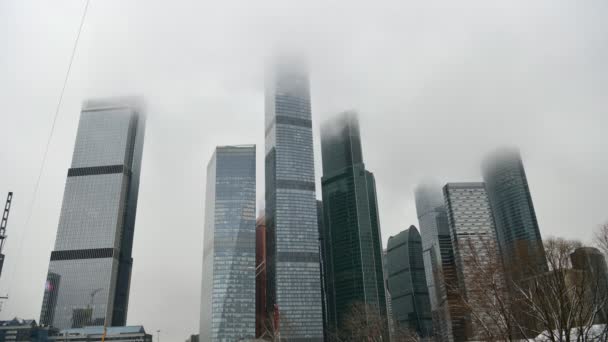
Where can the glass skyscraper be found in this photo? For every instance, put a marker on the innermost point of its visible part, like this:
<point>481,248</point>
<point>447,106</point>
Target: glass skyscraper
<point>439,267</point>
<point>228,310</point>
<point>294,279</point>
<point>593,262</point>
<point>475,247</point>
<point>261,312</point>
<point>90,267</point>
<point>353,246</point>
<point>407,283</point>
<point>516,225</point>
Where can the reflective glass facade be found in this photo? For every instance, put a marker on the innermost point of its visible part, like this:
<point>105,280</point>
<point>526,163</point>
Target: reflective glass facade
<point>411,305</point>
<point>294,280</point>
<point>389,303</point>
<point>261,318</point>
<point>516,225</point>
<point>473,239</point>
<point>228,310</point>
<point>90,267</point>
<point>438,256</point>
<point>353,258</point>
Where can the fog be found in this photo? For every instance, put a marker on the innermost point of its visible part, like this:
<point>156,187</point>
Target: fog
<point>437,85</point>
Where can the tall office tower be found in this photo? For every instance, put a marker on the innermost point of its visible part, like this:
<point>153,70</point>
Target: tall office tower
<point>439,267</point>
<point>90,267</point>
<point>323,265</point>
<point>593,261</point>
<point>389,301</point>
<point>261,312</point>
<point>294,276</point>
<point>407,283</point>
<point>229,248</point>
<point>516,226</point>
<point>475,251</point>
<point>352,229</point>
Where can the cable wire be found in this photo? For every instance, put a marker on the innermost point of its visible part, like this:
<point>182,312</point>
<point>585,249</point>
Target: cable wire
<point>48,142</point>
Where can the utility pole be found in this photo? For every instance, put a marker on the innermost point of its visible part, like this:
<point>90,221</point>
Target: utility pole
<point>157,335</point>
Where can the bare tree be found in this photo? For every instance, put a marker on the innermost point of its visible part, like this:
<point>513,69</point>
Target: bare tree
<point>274,326</point>
<point>363,322</point>
<point>560,305</point>
<point>601,238</point>
<point>564,303</point>
<point>404,334</point>
<point>483,299</point>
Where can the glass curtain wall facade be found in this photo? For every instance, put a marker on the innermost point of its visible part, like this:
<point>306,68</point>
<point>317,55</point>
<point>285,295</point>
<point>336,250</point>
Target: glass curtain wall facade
<point>228,310</point>
<point>352,231</point>
<point>474,242</point>
<point>261,312</point>
<point>389,303</point>
<point>516,225</point>
<point>90,267</point>
<point>407,283</point>
<point>439,267</point>
<point>294,277</point>
<point>323,264</point>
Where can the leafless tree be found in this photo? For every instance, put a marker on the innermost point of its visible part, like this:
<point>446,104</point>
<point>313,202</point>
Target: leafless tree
<point>404,334</point>
<point>275,329</point>
<point>560,305</point>
<point>601,238</point>
<point>564,303</point>
<point>483,297</point>
<point>363,322</point>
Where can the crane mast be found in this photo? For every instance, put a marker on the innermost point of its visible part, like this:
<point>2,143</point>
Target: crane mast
<point>7,209</point>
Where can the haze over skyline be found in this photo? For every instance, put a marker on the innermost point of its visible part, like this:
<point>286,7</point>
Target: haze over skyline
<point>436,86</point>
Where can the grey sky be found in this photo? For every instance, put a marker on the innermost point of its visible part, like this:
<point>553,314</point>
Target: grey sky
<point>437,85</point>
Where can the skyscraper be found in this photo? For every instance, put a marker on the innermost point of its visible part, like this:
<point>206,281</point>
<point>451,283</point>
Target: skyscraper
<point>439,267</point>
<point>389,303</point>
<point>294,280</point>
<point>323,264</point>
<point>90,267</point>
<point>475,249</point>
<point>593,262</point>
<point>407,283</point>
<point>228,311</point>
<point>352,230</point>
<point>516,225</point>
<point>261,312</point>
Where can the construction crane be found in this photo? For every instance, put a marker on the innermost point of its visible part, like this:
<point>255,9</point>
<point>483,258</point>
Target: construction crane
<point>7,209</point>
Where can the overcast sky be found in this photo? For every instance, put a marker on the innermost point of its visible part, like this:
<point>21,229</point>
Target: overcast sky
<point>437,86</point>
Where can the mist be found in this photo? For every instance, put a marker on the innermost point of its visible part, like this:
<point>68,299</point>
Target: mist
<point>437,85</point>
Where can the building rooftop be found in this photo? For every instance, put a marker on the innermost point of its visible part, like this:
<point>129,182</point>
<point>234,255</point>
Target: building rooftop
<point>18,322</point>
<point>98,330</point>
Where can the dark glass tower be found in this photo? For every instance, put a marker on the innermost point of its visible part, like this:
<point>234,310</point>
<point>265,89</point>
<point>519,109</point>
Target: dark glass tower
<point>294,276</point>
<point>351,228</point>
<point>90,267</point>
<point>516,225</point>
<point>407,283</point>
<point>439,263</point>
<point>228,310</point>
<point>592,261</point>
<point>261,318</point>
